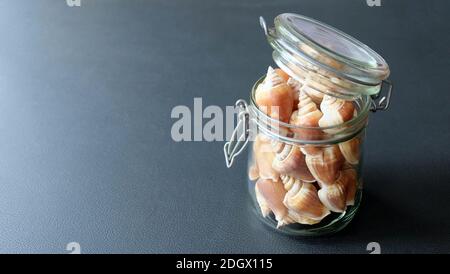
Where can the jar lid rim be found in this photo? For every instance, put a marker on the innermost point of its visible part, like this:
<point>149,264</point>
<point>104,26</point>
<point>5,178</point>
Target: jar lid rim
<point>331,49</point>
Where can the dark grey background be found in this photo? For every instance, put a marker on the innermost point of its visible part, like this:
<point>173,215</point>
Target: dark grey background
<point>86,153</point>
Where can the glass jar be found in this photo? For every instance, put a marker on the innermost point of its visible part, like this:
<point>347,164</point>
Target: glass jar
<point>307,123</point>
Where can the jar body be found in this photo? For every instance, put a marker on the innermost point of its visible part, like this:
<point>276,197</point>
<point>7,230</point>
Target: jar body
<point>301,194</point>
<point>306,181</point>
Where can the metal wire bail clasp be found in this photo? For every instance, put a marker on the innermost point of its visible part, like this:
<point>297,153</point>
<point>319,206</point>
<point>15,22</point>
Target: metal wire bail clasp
<point>384,102</point>
<point>236,144</point>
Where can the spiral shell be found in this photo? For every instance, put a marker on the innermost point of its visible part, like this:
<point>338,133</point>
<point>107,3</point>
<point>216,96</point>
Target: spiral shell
<point>337,196</point>
<point>304,200</point>
<point>307,115</point>
<point>350,150</point>
<point>335,112</point>
<point>334,197</point>
<point>294,216</point>
<point>273,193</point>
<point>274,96</point>
<point>291,161</point>
<point>325,166</point>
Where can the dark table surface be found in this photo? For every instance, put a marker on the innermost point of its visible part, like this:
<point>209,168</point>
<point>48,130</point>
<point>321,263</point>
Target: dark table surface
<point>86,95</point>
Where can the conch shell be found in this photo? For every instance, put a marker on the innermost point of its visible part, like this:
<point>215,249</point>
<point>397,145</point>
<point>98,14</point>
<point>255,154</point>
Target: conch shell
<point>302,200</point>
<point>341,193</point>
<point>264,156</point>
<point>272,193</point>
<point>334,197</point>
<point>263,205</point>
<point>350,150</point>
<point>291,161</point>
<point>294,216</point>
<point>274,96</point>
<point>335,112</point>
<point>307,115</point>
<point>325,166</point>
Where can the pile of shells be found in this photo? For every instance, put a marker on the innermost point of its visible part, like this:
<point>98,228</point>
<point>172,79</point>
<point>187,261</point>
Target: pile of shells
<point>303,184</point>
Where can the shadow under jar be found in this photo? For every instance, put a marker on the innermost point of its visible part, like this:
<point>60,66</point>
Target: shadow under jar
<point>307,121</point>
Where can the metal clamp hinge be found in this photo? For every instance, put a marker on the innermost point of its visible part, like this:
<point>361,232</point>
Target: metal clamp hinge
<point>236,144</point>
<point>384,102</point>
<point>263,25</point>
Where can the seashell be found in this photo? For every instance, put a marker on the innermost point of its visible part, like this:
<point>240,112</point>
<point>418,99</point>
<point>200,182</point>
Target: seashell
<point>304,200</point>
<point>277,145</point>
<point>263,205</point>
<point>291,161</point>
<point>334,197</point>
<point>350,150</point>
<point>349,179</point>
<point>264,156</point>
<point>335,112</point>
<point>282,74</point>
<point>274,96</point>
<point>325,166</point>
<point>295,86</point>
<point>289,181</point>
<point>334,106</point>
<point>307,115</point>
<point>273,194</point>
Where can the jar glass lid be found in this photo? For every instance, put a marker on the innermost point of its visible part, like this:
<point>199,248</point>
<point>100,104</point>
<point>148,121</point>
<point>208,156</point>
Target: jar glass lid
<point>305,44</point>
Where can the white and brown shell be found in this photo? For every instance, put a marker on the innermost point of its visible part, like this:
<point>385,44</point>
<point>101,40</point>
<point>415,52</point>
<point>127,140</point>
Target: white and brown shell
<point>307,116</point>
<point>274,96</point>
<point>350,149</point>
<point>273,193</point>
<point>335,112</point>
<point>326,165</point>
<point>291,161</point>
<point>303,200</point>
<point>334,197</point>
